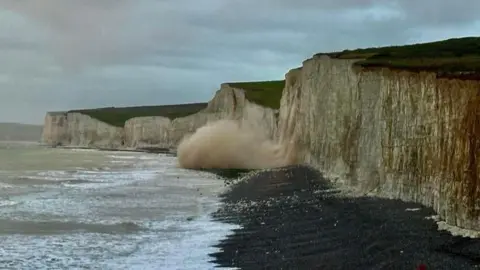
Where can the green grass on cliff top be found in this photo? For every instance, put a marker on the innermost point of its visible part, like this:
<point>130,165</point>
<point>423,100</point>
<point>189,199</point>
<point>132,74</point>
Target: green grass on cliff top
<point>457,55</point>
<point>264,93</point>
<point>118,116</point>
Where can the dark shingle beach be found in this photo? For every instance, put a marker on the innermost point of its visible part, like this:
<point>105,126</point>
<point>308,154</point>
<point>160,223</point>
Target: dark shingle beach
<point>292,218</point>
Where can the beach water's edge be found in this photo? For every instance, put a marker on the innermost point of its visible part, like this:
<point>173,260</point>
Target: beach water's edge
<point>293,218</point>
<point>151,149</point>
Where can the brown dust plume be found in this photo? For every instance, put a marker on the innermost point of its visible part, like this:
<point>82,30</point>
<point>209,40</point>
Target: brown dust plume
<point>225,144</point>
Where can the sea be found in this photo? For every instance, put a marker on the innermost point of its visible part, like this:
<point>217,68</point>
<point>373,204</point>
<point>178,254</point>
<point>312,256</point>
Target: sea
<point>90,209</point>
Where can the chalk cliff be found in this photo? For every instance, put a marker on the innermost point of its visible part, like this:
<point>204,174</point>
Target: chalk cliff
<point>397,134</point>
<point>55,128</point>
<point>228,103</point>
<point>77,129</point>
<point>84,130</point>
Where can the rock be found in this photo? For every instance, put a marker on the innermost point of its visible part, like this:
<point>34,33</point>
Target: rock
<point>396,134</point>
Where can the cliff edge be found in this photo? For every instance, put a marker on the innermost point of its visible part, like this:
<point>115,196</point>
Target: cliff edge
<point>230,102</point>
<point>388,131</point>
<point>253,103</point>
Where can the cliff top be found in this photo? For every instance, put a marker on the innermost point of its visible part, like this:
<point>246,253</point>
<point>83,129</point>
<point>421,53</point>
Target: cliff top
<point>57,113</point>
<point>264,93</point>
<point>118,116</point>
<point>451,57</point>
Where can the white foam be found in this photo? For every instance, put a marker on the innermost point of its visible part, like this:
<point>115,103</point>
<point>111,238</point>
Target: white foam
<point>6,203</point>
<point>188,248</point>
<point>183,245</point>
<point>49,178</point>
<point>52,173</point>
<point>169,240</point>
<point>454,230</point>
<point>149,157</point>
<point>120,162</point>
<point>72,149</point>
<point>123,157</point>
<point>6,186</point>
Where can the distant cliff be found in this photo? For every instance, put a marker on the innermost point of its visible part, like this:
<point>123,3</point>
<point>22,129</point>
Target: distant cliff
<point>83,127</point>
<point>228,103</point>
<point>71,128</point>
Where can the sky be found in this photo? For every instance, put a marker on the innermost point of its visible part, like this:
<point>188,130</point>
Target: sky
<point>67,54</point>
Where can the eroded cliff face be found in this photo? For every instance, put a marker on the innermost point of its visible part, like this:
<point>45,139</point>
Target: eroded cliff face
<point>228,103</point>
<point>55,128</point>
<point>84,130</point>
<point>76,129</point>
<point>147,132</point>
<point>397,134</point>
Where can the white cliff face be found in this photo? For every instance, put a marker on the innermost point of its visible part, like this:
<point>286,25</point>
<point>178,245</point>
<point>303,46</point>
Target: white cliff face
<point>228,103</point>
<point>55,128</point>
<point>397,134</point>
<point>84,130</point>
<point>76,129</point>
<point>147,131</point>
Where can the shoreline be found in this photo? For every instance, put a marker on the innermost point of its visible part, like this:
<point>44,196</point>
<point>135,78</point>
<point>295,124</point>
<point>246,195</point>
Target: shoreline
<point>283,213</point>
<point>295,218</point>
<point>151,150</point>
<point>239,173</point>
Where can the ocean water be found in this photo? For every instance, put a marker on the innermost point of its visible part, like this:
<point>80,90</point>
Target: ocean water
<point>87,209</point>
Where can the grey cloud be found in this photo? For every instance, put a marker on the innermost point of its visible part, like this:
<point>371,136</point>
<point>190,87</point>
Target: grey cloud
<point>425,12</point>
<point>60,54</point>
<point>440,13</point>
<point>11,44</point>
<point>79,31</point>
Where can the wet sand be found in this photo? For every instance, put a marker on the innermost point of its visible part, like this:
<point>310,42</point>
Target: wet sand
<point>292,219</point>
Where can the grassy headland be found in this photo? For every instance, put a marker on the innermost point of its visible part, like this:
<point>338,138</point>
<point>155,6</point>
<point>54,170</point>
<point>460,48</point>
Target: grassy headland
<point>118,116</point>
<point>451,57</point>
<point>265,93</point>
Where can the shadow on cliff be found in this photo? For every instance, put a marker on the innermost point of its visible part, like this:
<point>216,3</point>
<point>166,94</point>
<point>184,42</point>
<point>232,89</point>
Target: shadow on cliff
<point>227,144</point>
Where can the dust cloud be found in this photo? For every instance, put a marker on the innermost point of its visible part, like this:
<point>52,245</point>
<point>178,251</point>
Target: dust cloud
<point>226,144</point>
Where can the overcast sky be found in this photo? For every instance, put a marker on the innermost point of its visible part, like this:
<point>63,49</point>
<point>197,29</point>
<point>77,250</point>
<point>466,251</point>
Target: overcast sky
<point>65,54</point>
